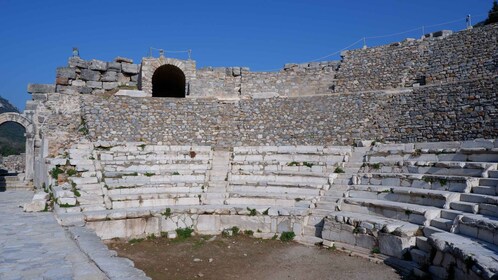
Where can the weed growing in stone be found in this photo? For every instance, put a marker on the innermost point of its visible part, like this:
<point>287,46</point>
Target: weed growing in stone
<point>266,212</point>
<point>74,190</point>
<point>375,250</point>
<point>149,174</point>
<point>55,172</point>
<point>167,212</point>
<point>338,169</point>
<point>287,236</point>
<point>176,173</point>
<point>293,163</point>
<point>408,212</point>
<point>443,182</point>
<point>142,146</point>
<point>235,230</point>
<point>252,212</point>
<point>71,172</point>
<point>308,164</point>
<point>183,233</point>
<point>248,232</point>
<point>376,166</point>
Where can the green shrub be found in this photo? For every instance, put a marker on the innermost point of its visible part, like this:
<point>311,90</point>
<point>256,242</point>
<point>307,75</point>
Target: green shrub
<point>252,212</point>
<point>71,172</point>
<point>183,233</point>
<point>249,232</point>
<point>235,230</point>
<point>167,212</point>
<point>55,172</point>
<point>338,169</point>
<point>375,250</point>
<point>287,236</point>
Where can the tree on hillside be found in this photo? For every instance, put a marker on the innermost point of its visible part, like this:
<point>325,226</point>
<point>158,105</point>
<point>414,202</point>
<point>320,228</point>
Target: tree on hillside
<point>493,14</point>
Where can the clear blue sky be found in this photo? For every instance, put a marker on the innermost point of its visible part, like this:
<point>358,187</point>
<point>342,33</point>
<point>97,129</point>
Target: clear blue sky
<point>37,36</point>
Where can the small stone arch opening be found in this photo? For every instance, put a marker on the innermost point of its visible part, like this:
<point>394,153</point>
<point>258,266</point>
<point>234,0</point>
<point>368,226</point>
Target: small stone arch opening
<point>12,138</point>
<point>168,81</point>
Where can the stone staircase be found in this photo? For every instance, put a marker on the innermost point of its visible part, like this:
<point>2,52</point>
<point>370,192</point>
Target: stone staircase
<point>10,181</point>
<point>408,199</point>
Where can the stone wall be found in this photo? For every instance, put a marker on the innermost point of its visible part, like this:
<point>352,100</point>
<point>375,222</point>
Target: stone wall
<point>13,163</point>
<point>433,113</point>
<point>293,80</point>
<point>218,81</point>
<point>95,76</point>
<point>468,54</point>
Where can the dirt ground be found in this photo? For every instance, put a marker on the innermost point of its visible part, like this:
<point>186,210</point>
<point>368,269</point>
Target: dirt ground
<point>243,257</point>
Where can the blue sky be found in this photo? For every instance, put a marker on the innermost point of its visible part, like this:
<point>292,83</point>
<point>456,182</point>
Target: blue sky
<point>38,36</point>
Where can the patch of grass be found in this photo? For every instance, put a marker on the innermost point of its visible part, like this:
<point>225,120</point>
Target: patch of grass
<point>338,169</point>
<point>428,179</point>
<point>71,172</point>
<point>135,240</point>
<point>142,146</point>
<point>443,182</point>
<point>375,166</point>
<point>297,199</point>
<point>266,212</point>
<point>54,173</point>
<point>408,212</point>
<point>131,174</point>
<point>176,173</point>
<point>74,190</point>
<point>235,230</point>
<point>167,212</point>
<point>287,236</point>
<point>252,212</point>
<point>248,232</point>
<point>293,163</point>
<point>308,164</point>
<point>274,237</point>
<point>149,174</point>
<point>151,236</point>
<point>375,250</point>
<point>183,233</point>
<point>333,248</point>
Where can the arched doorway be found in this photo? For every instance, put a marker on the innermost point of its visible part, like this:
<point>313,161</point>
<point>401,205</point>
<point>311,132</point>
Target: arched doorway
<point>168,81</point>
<point>30,139</point>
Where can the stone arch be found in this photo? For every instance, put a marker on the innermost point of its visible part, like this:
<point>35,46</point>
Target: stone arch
<point>168,81</point>
<point>30,139</point>
<point>20,119</point>
<point>150,65</point>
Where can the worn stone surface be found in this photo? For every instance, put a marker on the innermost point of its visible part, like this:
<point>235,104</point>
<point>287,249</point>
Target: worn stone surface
<point>321,120</point>
<point>33,245</point>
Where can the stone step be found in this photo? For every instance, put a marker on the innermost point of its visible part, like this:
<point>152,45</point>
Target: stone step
<point>429,231</point>
<point>475,255</point>
<point>327,205</point>
<point>420,257</point>
<point>493,174</point>
<point>403,194</point>
<point>423,244</point>
<point>468,207</point>
<point>262,194</point>
<point>266,201</point>
<point>488,190</point>
<point>435,182</point>
<point>441,223</point>
<point>412,213</point>
<point>283,192</point>
<point>479,198</point>
<point>489,182</point>
<point>488,209</point>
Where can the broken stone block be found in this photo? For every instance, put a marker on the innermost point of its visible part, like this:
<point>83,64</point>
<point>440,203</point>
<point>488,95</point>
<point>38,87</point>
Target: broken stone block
<point>89,75</point>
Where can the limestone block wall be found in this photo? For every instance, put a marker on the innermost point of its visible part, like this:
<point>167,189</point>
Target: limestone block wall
<point>293,80</point>
<point>96,76</point>
<point>449,112</point>
<point>468,54</point>
<point>217,81</point>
